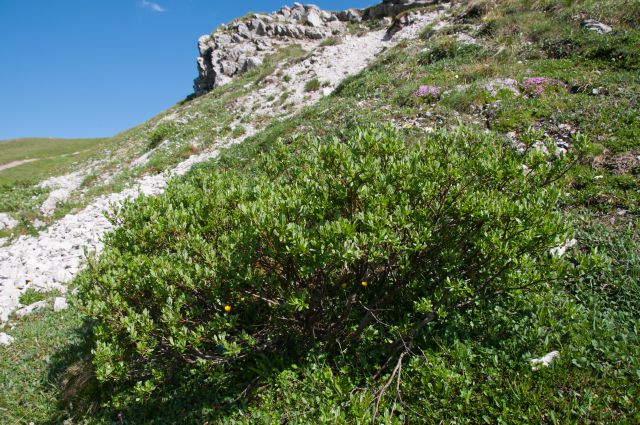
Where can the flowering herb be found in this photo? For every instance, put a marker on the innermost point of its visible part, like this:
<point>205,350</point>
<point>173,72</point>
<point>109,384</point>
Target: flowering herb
<point>432,92</point>
<point>536,86</point>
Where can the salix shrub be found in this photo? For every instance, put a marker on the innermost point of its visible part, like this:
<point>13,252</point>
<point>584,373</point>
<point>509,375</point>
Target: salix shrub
<point>364,239</point>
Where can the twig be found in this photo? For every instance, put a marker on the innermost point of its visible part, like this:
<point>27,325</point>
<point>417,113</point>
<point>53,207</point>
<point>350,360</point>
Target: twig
<point>394,375</point>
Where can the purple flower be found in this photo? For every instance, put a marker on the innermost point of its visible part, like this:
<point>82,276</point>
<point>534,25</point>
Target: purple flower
<point>535,86</point>
<point>428,91</point>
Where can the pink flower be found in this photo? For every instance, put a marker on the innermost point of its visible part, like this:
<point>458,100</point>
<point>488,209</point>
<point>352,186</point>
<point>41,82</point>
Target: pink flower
<point>536,86</point>
<point>428,91</point>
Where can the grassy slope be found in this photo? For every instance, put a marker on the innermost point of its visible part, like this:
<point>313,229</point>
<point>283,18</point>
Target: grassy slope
<point>51,157</point>
<point>474,369</point>
<point>207,120</point>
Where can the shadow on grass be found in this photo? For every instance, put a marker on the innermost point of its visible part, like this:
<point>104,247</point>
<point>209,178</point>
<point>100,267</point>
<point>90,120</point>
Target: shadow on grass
<point>189,396</point>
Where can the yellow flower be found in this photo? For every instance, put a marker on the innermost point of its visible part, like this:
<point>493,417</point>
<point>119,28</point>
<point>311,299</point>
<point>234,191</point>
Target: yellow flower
<point>227,308</point>
<point>344,285</point>
<point>364,283</point>
<point>241,298</point>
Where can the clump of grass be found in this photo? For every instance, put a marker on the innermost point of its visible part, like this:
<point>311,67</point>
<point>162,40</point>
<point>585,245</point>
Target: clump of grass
<point>238,132</point>
<point>31,296</point>
<point>283,98</point>
<point>161,133</point>
<point>331,41</point>
<point>312,85</point>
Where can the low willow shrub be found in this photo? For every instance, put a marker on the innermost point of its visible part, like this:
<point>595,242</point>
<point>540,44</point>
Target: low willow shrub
<point>356,243</point>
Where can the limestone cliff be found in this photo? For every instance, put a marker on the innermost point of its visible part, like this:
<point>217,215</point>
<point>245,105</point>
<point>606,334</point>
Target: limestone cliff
<point>243,44</point>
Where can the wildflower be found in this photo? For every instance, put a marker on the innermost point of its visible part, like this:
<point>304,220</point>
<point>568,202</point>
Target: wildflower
<point>227,308</point>
<point>343,286</point>
<point>535,86</point>
<point>364,283</point>
<point>428,91</point>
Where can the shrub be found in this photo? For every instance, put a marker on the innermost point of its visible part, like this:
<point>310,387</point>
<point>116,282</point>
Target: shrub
<point>327,241</point>
<point>446,48</point>
<point>161,133</point>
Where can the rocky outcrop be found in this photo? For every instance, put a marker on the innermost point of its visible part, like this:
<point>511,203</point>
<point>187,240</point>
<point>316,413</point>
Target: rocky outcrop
<point>391,8</point>
<point>245,43</point>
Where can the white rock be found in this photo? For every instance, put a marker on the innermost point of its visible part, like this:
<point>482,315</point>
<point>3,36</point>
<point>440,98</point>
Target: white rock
<point>314,19</point>
<point>5,339</point>
<point>7,222</point>
<point>599,27</point>
<point>544,361</point>
<point>32,308</point>
<point>9,300</point>
<point>63,186</point>
<point>60,304</point>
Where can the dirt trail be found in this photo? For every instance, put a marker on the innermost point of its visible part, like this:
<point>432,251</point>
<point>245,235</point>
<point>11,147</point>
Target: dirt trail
<point>14,164</point>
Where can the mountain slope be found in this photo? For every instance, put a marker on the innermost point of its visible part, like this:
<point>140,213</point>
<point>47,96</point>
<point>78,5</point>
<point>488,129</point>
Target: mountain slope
<point>500,67</point>
<point>47,261</point>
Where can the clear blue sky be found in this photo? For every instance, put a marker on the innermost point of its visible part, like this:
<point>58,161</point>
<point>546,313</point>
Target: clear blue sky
<point>92,68</point>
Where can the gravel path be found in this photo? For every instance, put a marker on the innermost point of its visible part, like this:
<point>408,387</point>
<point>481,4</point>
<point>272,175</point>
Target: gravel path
<point>13,164</point>
<point>51,259</point>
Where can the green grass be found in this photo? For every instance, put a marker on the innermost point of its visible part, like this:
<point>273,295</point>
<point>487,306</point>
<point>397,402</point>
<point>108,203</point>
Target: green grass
<point>31,368</point>
<point>312,85</point>
<point>50,157</point>
<point>31,296</point>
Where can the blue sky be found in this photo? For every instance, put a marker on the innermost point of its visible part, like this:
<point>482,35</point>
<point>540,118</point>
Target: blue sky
<point>92,68</point>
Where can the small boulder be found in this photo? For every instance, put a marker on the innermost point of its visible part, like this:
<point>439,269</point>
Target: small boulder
<point>251,63</point>
<point>544,361</point>
<point>243,31</point>
<point>599,27</point>
<point>313,19</point>
<point>285,11</point>
<point>6,340</point>
<point>9,300</point>
<point>60,304</point>
<point>314,33</point>
<point>31,308</point>
<point>260,27</point>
